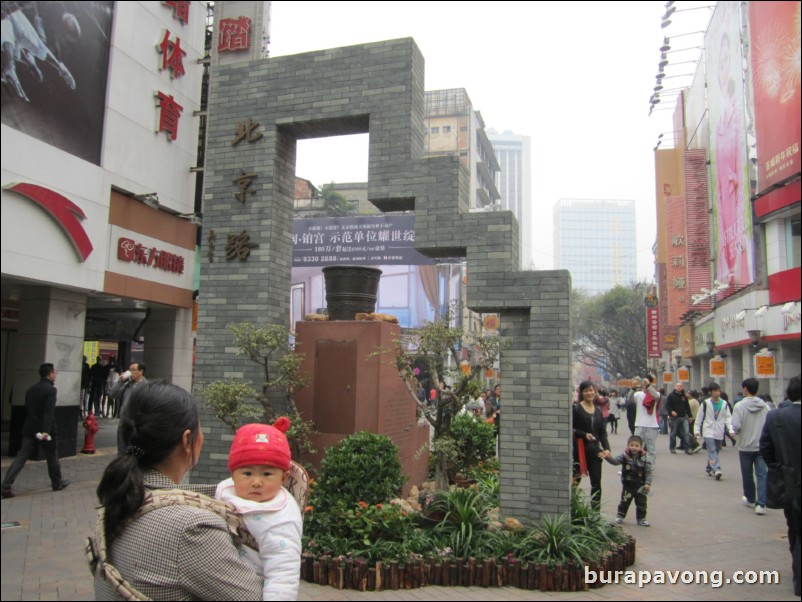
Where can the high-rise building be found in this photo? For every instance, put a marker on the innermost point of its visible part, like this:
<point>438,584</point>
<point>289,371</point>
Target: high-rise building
<point>514,155</point>
<point>454,128</point>
<point>595,241</point>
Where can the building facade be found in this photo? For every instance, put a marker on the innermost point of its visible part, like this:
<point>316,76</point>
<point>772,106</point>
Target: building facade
<point>595,241</point>
<point>98,198</point>
<point>728,207</point>
<point>452,127</point>
<point>514,179</point>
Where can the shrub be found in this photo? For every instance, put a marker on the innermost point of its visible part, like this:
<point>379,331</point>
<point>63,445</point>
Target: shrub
<point>368,532</point>
<point>362,467</point>
<point>475,441</point>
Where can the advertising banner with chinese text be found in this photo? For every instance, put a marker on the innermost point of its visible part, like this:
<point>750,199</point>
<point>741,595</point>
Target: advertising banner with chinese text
<point>718,367</point>
<point>732,208</point>
<point>684,375</point>
<point>412,287</point>
<point>676,260</point>
<point>774,31</point>
<point>765,365</point>
<point>653,331</point>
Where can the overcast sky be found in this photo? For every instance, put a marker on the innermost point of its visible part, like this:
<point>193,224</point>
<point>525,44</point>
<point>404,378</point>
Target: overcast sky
<point>574,76</point>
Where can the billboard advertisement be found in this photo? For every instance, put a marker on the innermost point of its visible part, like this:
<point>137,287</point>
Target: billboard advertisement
<point>732,208</point>
<point>55,68</point>
<point>775,42</point>
<point>412,287</point>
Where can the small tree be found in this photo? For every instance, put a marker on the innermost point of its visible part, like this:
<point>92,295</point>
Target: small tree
<point>232,401</point>
<point>431,345</point>
<point>336,204</point>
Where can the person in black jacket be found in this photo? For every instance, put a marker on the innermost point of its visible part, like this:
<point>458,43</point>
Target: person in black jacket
<point>590,440</point>
<point>780,444</point>
<point>679,415</point>
<point>636,479</point>
<point>39,426</point>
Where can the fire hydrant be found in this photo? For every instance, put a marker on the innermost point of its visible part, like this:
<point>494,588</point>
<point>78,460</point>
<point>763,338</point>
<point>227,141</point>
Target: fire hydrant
<point>91,426</point>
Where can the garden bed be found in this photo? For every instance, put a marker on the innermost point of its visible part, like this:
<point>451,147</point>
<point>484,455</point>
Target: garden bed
<point>351,573</point>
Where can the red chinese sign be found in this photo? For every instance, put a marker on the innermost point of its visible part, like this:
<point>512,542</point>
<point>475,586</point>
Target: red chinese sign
<point>234,34</point>
<point>172,55</point>
<point>653,331</point>
<point>170,114</point>
<point>180,10</point>
<point>131,251</point>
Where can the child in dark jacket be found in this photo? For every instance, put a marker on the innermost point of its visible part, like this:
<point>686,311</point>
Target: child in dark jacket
<point>636,479</point>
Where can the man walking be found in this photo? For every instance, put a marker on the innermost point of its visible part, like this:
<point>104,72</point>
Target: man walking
<point>647,406</point>
<point>121,393</point>
<point>748,419</point>
<point>39,426</point>
<point>715,421</point>
<point>679,413</point>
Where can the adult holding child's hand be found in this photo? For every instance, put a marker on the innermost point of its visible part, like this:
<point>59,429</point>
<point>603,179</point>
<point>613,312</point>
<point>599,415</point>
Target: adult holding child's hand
<point>590,439</point>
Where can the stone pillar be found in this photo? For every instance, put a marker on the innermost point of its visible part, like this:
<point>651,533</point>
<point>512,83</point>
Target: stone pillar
<point>168,346</point>
<point>51,329</point>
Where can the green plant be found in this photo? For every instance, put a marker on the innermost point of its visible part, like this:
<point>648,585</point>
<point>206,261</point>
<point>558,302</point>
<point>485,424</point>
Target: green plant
<point>363,466</point>
<point>552,541</point>
<point>429,347</point>
<point>464,518</point>
<point>232,401</point>
<point>474,439</point>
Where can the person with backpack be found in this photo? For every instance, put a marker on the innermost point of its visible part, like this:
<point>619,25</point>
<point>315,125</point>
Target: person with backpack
<point>716,420</point>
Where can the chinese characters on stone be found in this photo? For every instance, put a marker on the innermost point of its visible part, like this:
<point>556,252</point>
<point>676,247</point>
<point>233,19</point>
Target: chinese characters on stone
<point>234,34</point>
<point>212,241</point>
<point>246,131</point>
<point>244,182</point>
<point>239,246</point>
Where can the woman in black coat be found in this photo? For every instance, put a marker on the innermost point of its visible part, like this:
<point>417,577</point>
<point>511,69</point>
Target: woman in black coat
<point>590,439</point>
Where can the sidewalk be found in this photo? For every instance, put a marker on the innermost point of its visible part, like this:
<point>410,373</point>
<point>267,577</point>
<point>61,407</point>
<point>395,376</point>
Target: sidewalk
<point>697,524</point>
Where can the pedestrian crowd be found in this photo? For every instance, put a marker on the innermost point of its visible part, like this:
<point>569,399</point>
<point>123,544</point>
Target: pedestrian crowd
<point>767,439</point>
<point>159,441</point>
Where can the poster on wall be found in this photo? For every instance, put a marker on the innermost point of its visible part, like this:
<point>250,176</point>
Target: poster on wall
<point>774,31</point>
<point>412,287</point>
<point>718,367</point>
<point>764,365</point>
<point>732,209</point>
<point>684,375</point>
<point>55,66</point>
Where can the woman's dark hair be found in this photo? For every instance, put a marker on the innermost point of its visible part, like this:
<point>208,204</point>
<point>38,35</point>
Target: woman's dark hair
<point>585,384</point>
<point>154,420</point>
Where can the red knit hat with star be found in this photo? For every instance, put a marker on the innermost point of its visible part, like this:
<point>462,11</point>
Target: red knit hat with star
<point>261,444</point>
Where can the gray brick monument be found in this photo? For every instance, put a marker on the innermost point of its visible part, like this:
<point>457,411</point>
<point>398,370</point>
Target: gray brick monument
<point>248,208</point>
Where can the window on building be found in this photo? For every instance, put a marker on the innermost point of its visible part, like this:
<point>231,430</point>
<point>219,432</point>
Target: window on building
<point>792,242</point>
<point>446,129</point>
<point>435,130</point>
<point>463,128</point>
